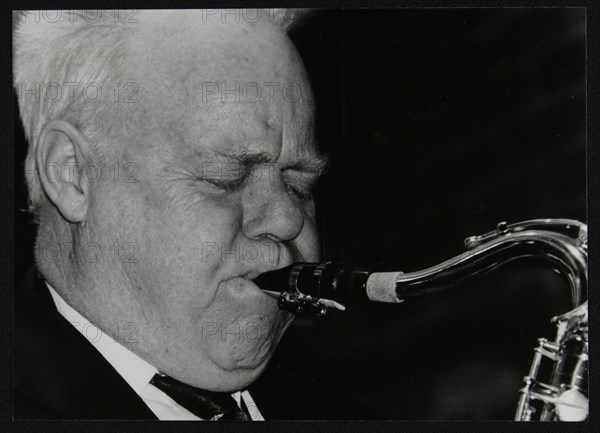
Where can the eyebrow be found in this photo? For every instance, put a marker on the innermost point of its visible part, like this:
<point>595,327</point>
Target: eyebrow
<point>315,165</point>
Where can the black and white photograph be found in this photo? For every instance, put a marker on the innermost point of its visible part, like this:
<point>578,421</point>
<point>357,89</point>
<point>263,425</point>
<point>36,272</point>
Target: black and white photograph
<point>345,214</point>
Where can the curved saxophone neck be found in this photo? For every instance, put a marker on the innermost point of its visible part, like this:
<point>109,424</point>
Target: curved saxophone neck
<point>561,243</point>
<point>572,228</point>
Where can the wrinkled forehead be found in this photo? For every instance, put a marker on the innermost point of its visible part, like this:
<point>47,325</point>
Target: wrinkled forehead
<point>202,78</point>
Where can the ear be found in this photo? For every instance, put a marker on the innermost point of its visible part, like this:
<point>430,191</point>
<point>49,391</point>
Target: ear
<point>61,156</point>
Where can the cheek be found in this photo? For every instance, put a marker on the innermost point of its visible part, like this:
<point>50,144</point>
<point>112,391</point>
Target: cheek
<point>178,237</point>
<point>181,215</point>
<point>196,235</point>
<point>211,230</point>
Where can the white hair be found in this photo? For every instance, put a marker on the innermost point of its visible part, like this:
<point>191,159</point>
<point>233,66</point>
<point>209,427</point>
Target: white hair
<point>54,57</point>
<point>58,52</point>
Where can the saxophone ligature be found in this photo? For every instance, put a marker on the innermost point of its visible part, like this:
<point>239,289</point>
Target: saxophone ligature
<point>313,288</point>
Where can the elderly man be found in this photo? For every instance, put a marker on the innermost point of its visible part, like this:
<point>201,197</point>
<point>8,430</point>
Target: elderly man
<point>171,160</point>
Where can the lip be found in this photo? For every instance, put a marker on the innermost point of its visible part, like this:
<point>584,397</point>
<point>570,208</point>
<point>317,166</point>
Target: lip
<point>249,284</point>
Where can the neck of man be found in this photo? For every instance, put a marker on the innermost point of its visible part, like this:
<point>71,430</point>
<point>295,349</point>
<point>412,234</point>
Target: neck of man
<point>84,274</point>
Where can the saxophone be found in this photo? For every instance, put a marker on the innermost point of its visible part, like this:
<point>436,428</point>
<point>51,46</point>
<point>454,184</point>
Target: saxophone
<point>313,288</point>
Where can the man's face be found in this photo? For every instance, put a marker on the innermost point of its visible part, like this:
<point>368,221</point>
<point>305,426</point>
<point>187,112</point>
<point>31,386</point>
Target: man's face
<point>222,195</point>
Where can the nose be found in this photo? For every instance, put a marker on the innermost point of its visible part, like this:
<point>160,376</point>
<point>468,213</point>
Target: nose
<point>270,212</point>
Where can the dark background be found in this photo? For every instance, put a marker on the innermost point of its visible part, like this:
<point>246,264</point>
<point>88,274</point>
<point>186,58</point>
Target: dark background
<point>439,124</point>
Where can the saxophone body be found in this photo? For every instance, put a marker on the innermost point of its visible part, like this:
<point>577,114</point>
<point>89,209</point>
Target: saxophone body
<point>312,288</point>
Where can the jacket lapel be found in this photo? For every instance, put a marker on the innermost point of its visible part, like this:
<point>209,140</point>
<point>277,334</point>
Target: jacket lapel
<point>57,371</point>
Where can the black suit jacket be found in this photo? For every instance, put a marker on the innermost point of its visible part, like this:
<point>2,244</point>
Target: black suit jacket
<point>58,374</point>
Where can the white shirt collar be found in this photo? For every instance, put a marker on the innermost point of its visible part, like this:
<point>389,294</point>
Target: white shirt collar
<point>136,372</point>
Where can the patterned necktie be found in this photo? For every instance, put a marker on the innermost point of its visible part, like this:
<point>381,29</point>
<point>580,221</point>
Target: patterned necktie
<point>208,405</point>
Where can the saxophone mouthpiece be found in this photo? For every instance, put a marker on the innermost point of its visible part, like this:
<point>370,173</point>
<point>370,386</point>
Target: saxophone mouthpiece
<point>301,287</point>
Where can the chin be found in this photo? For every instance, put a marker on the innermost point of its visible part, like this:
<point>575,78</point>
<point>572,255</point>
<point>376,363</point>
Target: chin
<point>242,362</point>
<point>242,378</point>
<point>220,373</point>
<point>242,356</point>
<point>228,379</point>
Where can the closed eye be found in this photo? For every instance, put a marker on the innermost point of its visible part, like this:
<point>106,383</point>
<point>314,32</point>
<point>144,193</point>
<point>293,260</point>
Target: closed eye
<point>229,185</point>
<point>300,185</point>
<point>302,194</point>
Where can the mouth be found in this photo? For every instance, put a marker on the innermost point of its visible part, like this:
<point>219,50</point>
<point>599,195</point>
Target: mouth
<point>269,280</point>
<point>246,286</point>
<point>252,275</point>
<point>270,293</point>
<point>277,282</point>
